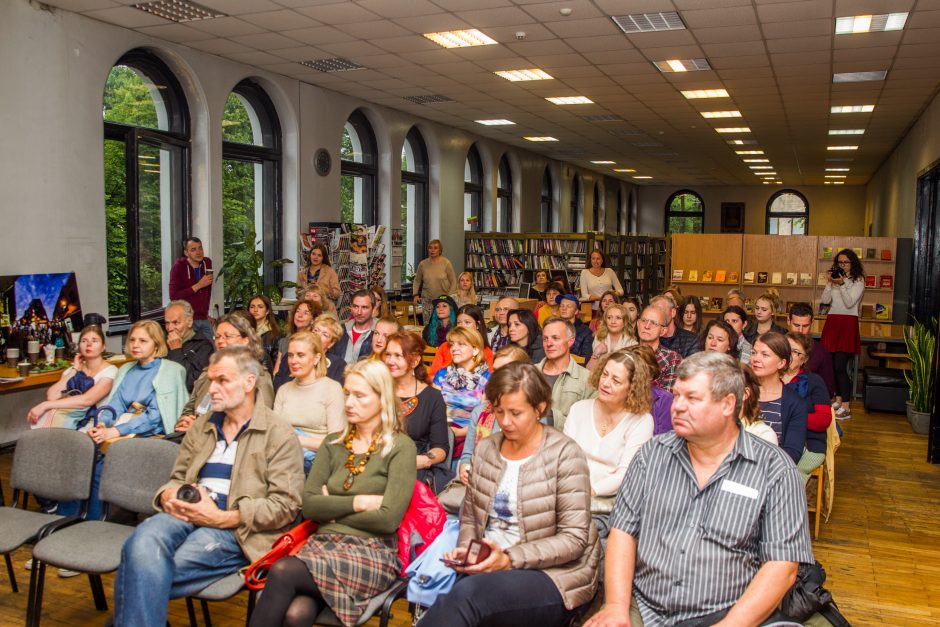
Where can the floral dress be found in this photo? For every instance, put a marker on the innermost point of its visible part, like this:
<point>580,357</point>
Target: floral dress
<point>462,391</point>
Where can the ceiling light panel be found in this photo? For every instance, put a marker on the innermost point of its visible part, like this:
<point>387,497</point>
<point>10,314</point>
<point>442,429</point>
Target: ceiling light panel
<point>648,22</point>
<point>178,10</point>
<point>642,177</point>
<point>534,74</point>
<point>835,176</point>
<point>460,38</point>
<point>533,138</point>
<point>761,167</point>
<point>682,65</point>
<point>570,100</point>
<point>837,169</point>
<point>841,147</point>
<point>855,24</point>
<point>721,114</point>
<point>748,152</point>
<point>733,129</point>
<point>495,122</point>
<point>336,64</point>
<point>603,162</point>
<point>859,77</point>
<point>694,94</point>
<point>756,160</point>
<point>846,131</point>
<point>852,109</point>
<point>624,170</point>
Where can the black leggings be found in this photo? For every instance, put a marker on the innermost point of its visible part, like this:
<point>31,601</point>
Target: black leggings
<point>840,367</point>
<point>290,598</point>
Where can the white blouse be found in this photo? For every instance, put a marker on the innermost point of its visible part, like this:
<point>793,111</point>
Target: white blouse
<point>596,285</point>
<point>844,298</point>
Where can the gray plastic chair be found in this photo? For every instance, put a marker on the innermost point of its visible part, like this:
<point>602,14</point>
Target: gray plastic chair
<point>134,470</point>
<point>221,590</point>
<point>380,604</point>
<point>51,463</point>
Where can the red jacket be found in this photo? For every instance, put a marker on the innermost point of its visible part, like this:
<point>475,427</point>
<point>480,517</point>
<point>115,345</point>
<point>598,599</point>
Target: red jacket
<point>182,278</point>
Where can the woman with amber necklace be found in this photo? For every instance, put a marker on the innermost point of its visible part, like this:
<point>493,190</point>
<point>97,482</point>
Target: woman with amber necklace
<point>359,488</point>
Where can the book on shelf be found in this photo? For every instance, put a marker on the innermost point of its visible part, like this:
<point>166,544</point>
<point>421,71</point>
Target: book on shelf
<point>706,302</point>
<point>827,252</point>
<point>821,279</point>
<point>806,279</point>
<point>761,277</point>
<point>776,278</point>
<point>792,278</point>
<point>677,275</point>
<point>885,254</point>
<point>886,282</point>
<point>869,280</point>
<point>693,275</point>
<point>858,252</point>
<point>867,311</point>
<point>732,277</point>
<point>870,253</point>
<point>717,303</point>
<point>720,276</point>
<point>749,277</point>
<point>882,311</point>
<point>707,276</point>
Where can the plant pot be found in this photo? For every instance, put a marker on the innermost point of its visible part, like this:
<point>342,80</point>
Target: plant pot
<point>920,421</point>
<point>910,408</point>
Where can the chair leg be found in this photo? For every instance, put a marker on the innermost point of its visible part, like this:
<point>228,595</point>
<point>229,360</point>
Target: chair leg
<point>10,572</point>
<point>97,593</point>
<point>207,619</point>
<point>37,577</point>
<point>819,491</point>
<point>252,594</point>
<point>192,612</point>
<point>387,611</point>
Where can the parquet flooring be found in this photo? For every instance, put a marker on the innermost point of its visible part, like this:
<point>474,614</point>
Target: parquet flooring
<point>880,548</point>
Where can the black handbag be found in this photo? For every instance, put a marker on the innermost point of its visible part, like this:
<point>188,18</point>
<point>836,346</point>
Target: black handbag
<point>807,596</point>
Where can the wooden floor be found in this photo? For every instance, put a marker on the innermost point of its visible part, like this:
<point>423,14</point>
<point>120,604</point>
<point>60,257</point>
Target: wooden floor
<point>881,548</point>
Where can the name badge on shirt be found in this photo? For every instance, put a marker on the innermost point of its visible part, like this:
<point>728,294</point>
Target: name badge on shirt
<point>739,488</point>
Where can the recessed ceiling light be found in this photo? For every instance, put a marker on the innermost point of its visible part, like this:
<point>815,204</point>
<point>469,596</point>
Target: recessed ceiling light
<point>178,10</point>
<point>835,176</point>
<point>624,170</point>
<point>648,22</point>
<point>859,77</point>
<point>494,122</point>
<point>765,173</point>
<point>733,129</point>
<point>767,182</point>
<point>570,100</point>
<point>756,160</point>
<point>460,38</point>
<point>748,152</point>
<point>870,23</point>
<point>335,64</point>
<point>603,162</point>
<point>546,138</point>
<point>534,74</point>
<point>852,109</point>
<point>642,177</point>
<point>838,182</point>
<point>761,167</point>
<point>837,169</point>
<point>841,147</point>
<point>683,65</point>
<point>721,114</point>
<point>846,131</point>
<point>694,94</point>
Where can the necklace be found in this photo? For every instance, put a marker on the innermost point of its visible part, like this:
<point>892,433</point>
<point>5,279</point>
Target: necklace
<point>356,469</point>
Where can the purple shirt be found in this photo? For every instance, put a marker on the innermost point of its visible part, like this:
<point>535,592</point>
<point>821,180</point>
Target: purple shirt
<point>820,362</point>
<point>662,410</point>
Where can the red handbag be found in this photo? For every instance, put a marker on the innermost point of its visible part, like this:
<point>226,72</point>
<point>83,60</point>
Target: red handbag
<point>288,544</point>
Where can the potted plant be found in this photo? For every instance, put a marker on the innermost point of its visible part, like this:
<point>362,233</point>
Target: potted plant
<point>920,340</point>
<point>242,272</point>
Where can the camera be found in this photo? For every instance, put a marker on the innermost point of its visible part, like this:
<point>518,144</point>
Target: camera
<point>836,273</point>
<point>188,493</point>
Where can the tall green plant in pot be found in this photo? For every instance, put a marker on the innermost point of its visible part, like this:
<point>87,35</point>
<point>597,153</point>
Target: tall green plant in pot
<point>242,272</point>
<point>920,340</point>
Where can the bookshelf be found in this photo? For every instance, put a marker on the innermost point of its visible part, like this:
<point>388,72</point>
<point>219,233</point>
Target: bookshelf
<point>786,262</point>
<point>695,255</point>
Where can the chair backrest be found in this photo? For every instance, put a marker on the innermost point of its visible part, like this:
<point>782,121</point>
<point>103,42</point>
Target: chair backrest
<point>578,359</point>
<point>54,464</point>
<point>450,447</point>
<point>430,352</point>
<point>134,470</point>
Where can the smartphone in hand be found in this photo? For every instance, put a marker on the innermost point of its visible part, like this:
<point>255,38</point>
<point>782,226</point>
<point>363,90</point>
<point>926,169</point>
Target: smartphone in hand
<point>476,552</point>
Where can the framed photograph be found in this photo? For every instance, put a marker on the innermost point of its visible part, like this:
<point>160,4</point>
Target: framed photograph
<point>732,217</point>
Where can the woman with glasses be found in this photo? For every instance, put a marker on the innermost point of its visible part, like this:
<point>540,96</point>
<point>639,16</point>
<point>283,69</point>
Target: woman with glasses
<point>812,388</point>
<point>840,335</point>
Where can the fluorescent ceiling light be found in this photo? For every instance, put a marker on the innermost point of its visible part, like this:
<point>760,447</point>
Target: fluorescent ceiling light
<point>694,94</point>
<point>761,167</point>
<point>721,114</point>
<point>642,177</point>
<point>838,182</point>
<point>603,162</point>
<point>532,138</point>
<point>748,152</point>
<point>682,65</point>
<point>835,176</point>
<point>494,122</point>
<point>837,169</point>
<point>570,100</point>
<point>178,10</point>
<point>852,109</point>
<point>460,38</point>
<point>859,77</point>
<point>764,173</point>
<point>733,129</point>
<point>841,147</point>
<point>846,131</point>
<point>648,22</point>
<point>854,24</point>
<point>624,170</point>
<point>756,160</point>
<point>534,74</point>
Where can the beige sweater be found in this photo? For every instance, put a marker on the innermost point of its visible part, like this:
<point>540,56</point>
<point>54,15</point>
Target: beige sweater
<point>328,281</point>
<point>314,408</point>
<point>434,279</point>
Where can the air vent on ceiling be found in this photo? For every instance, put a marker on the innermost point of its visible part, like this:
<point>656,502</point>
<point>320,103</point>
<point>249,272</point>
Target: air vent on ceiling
<point>602,117</point>
<point>336,64</point>
<point>433,99</point>
<point>626,132</point>
<point>178,10</point>
<point>648,22</point>
<point>683,65</point>
<point>858,77</point>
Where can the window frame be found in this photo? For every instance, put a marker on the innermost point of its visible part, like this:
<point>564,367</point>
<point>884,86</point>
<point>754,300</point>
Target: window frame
<point>504,219</point>
<point>787,214</point>
<point>366,170</point>
<point>596,214</point>
<point>420,178</point>
<point>684,214</point>
<point>474,188</point>
<point>547,191</point>
<point>577,207</point>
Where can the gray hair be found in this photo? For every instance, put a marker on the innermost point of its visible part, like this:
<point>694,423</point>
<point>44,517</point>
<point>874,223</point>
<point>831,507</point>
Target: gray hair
<point>663,314</point>
<point>662,299</point>
<point>182,304</point>
<point>569,327</point>
<point>724,372</point>
<point>244,357</point>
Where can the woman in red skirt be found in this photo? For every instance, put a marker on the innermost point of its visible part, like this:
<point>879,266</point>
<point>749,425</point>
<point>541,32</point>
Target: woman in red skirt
<point>840,334</point>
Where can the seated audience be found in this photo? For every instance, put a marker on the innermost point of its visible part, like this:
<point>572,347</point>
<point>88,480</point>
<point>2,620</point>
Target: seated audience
<point>570,382</point>
<point>549,308</point>
<point>612,335</point>
<point>660,399</point>
<point>719,337</point>
<point>358,491</point>
<point>310,402</point>
<point>246,464</point>
<point>328,327</point>
<point>781,406</point>
<point>800,320</point>
<point>319,273</point>
<point>232,330</point>
<point>463,382</point>
<point>356,342</point>
<point>737,318</point>
<point>441,322</point>
<point>608,298</point>
<point>750,408</point>
<point>300,318</point>
<point>690,315</point>
<point>184,345</point>
<point>384,327</point>
<point>525,333</point>
<point>499,334</point>
<point>812,389</point>
<point>674,338</point>
<point>466,294</point>
<point>650,328</point>
<point>735,298</point>
<point>266,325</point>
<point>539,285</point>
<point>543,562</point>
<point>470,317</point>
<point>765,308</point>
<point>569,308</point>
<point>380,306</point>
<point>745,551</point>
<point>80,388</point>
<point>421,407</point>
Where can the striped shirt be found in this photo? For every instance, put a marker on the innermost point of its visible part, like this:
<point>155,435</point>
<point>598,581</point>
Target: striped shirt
<point>770,413</point>
<point>697,550</point>
<point>216,475</point>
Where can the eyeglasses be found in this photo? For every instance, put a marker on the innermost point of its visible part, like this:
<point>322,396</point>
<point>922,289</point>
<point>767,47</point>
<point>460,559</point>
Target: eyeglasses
<point>648,322</point>
<point>797,353</point>
<point>228,336</point>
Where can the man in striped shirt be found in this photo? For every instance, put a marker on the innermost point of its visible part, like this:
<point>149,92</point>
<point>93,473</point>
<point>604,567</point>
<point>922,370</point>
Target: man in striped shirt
<point>710,524</point>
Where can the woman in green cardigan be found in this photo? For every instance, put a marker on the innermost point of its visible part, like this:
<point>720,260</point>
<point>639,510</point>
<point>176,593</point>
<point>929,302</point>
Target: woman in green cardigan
<point>358,489</point>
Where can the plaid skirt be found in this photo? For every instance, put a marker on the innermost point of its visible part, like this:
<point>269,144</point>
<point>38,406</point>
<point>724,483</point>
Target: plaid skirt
<point>350,570</point>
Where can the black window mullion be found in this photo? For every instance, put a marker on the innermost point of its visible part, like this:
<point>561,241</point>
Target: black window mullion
<point>131,177</point>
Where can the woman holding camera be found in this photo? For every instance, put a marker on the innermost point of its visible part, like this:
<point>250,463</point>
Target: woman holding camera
<point>840,334</point>
<point>539,562</point>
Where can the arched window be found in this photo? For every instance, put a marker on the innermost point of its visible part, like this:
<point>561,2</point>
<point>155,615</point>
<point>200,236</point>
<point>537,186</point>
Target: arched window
<point>251,175</point>
<point>596,214</point>
<point>146,183</point>
<point>685,212</point>
<point>414,199</point>
<point>577,220</point>
<point>548,217</point>
<point>472,191</point>
<point>504,196</point>
<point>357,155</point>
<point>621,226</point>
<point>787,213</point>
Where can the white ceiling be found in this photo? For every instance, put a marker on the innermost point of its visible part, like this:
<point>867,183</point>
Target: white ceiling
<point>775,58</point>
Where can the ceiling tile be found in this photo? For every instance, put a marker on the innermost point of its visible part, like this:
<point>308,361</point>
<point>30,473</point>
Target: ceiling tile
<point>226,27</point>
<point>219,46</point>
<point>239,7</point>
<point>405,8</point>
<point>78,6</point>
<point>266,41</point>
<point>499,16</point>
<point>339,13</point>
<point>728,34</point>
<point>719,17</point>
<point>318,35</point>
<point>596,27</point>
<point>174,32</point>
<point>807,28</point>
<point>127,17</point>
<point>284,19</point>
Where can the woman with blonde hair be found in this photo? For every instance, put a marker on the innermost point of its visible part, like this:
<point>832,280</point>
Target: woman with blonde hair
<point>613,334</point>
<point>765,308</point>
<point>466,294</point>
<point>328,327</point>
<point>317,294</point>
<point>300,318</point>
<point>358,491</point>
<point>310,402</point>
<point>463,382</point>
